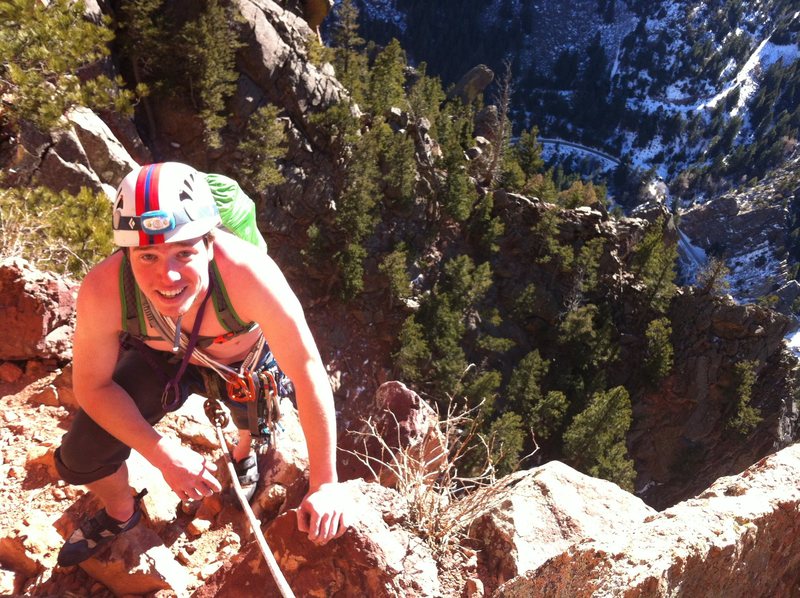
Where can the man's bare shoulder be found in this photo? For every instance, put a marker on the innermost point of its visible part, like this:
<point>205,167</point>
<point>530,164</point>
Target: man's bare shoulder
<point>101,284</point>
<point>240,260</point>
<point>251,277</point>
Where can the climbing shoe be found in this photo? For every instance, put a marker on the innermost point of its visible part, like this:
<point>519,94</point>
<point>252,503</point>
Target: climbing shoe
<point>97,532</point>
<point>247,474</point>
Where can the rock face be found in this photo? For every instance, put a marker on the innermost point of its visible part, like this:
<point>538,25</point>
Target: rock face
<point>398,421</point>
<point>548,509</point>
<point>472,84</point>
<point>275,59</point>
<point>84,154</point>
<point>680,439</point>
<point>739,538</point>
<point>749,234</point>
<point>377,558</point>
<point>36,313</point>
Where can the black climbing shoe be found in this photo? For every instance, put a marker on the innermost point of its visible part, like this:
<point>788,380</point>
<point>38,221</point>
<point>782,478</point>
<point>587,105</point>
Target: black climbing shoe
<point>97,532</point>
<point>247,474</point>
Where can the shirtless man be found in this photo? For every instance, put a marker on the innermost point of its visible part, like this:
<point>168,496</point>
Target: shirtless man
<point>166,221</point>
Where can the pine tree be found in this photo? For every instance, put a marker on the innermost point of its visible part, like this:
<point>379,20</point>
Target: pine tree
<point>263,144</point>
<point>350,64</point>
<point>595,440</point>
<point>394,268</point>
<point>387,78</point>
<point>425,97</point>
<point>659,354</point>
<point>43,45</point>
<point>543,412</point>
<point>745,417</point>
<point>505,440</point>
<point>529,153</point>
<point>414,351</point>
<point>654,265</point>
<point>398,165</point>
<point>210,43</point>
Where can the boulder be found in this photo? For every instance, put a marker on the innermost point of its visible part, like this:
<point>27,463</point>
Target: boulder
<point>739,538</point>
<point>539,513</point>
<point>275,59</point>
<point>472,84</point>
<point>26,550</point>
<point>398,422</point>
<point>33,306</point>
<point>377,557</point>
<point>105,154</point>
<point>138,562</point>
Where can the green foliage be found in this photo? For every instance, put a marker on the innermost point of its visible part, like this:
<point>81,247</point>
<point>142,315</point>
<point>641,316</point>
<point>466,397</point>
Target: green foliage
<point>398,165</point>
<point>480,386</point>
<point>495,344</point>
<point>425,96</point>
<point>578,194</point>
<point>485,228</point>
<point>745,417</point>
<point>713,278</point>
<point>43,47</point>
<point>387,78</point>
<point>58,231</point>
<point>356,215</point>
<point>658,359</point>
<point>529,153</point>
<point>262,145</point>
<point>210,44</point>
<point>525,303</point>
<point>464,283</point>
<point>543,412</point>
<point>549,248</point>
<point>595,440</point>
<point>505,440</point>
<point>414,350</point>
<point>350,65</point>
<point>445,331</point>
<point>394,268</point>
<point>587,265</point>
<point>318,53</point>
<point>443,316</point>
<point>350,261</point>
<point>654,265</point>
<point>587,334</point>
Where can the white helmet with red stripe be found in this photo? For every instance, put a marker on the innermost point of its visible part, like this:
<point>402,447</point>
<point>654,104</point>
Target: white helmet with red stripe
<point>163,203</point>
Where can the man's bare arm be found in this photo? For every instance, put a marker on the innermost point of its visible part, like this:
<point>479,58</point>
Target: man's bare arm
<point>95,353</point>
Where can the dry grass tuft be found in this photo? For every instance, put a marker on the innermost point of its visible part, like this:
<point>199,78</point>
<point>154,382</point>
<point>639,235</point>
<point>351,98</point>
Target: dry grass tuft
<point>441,502</point>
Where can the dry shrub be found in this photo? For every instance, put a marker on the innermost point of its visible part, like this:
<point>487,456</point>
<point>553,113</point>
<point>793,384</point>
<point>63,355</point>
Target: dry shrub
<point>441,502</point>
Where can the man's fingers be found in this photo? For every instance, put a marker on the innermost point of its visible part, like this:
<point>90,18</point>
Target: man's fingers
<point>302,520</point>
<point>341,526</point>
<point>211,481</point>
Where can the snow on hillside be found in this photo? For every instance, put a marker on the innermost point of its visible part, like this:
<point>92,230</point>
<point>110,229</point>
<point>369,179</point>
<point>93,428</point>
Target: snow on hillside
<point>764,56</point>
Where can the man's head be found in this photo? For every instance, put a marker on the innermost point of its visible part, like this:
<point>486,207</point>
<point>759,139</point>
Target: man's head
<point>163,203</point>
<point>165,216</point>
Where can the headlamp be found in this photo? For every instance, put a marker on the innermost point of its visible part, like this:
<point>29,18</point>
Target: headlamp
<point>157,222</point>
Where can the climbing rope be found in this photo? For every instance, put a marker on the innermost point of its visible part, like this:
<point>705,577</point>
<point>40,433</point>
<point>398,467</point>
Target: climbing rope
<point>219,419</point>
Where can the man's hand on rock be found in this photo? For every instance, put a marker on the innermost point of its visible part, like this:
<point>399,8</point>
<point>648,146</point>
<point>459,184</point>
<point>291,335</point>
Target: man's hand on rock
<point>324,514</point>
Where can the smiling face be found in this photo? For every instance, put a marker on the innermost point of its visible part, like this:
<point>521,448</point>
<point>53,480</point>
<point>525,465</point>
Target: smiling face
<point>173,276</point>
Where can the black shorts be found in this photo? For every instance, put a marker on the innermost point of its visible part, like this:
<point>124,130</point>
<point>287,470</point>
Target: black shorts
<point>88,453</point>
